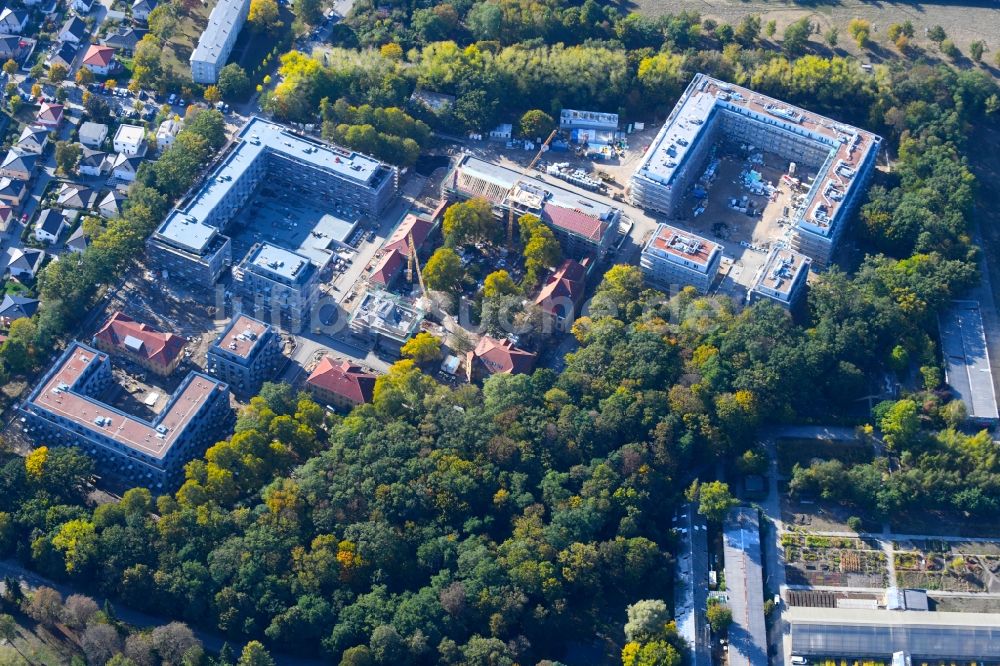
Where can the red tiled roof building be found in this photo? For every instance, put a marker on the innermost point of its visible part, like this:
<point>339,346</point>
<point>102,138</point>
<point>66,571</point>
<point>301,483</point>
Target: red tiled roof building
<point>341,384</point>
<point>497,357</point>
<point>155,351</point>
<point>562,293</point>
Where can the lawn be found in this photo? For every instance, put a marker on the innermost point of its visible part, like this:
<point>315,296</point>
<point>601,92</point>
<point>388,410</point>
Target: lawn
<point>178,49</point>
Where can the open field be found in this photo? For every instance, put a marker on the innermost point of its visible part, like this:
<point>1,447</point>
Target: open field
<point>964,22</point>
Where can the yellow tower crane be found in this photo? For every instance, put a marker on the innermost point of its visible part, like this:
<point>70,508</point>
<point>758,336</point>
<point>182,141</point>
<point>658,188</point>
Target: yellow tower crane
<point>524,172</point>
<point>414,263</point>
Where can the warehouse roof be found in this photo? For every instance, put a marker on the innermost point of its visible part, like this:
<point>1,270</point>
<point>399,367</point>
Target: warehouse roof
<point>852,632</point>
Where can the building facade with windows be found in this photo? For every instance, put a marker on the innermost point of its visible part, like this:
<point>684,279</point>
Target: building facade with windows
<point>191,244</point>
<point>66,409</point>
<point>675,258</point>
<point>217,40</point>
<point>246,355</point>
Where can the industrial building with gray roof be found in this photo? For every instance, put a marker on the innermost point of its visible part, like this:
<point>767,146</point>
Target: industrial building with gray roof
<point>843,633</point>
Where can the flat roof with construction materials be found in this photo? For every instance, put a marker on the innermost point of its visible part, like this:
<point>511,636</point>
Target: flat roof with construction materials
<point>745,587</point>
<point>278,263</point>
<point>572,212</point>
<point>682,247</point>
<point>779,275</point>
<point>967,360</point>
<point>386,314</point>
<point>855,633</point>
<point>244,333</point>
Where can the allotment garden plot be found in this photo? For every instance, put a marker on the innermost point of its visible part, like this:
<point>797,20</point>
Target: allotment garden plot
<point>815,560</point>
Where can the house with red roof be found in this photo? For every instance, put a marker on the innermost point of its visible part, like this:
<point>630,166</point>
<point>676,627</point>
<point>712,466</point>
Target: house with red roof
<point>158,352</point>
<point>562,293</point>
<point>341,384</point>
<point>49,115</point>
<point>396,251</point>
<point>497,357</point>
<point>99,59</point>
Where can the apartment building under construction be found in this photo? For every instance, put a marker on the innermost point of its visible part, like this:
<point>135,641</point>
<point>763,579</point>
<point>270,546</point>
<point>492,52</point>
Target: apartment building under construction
<point>843,157</point>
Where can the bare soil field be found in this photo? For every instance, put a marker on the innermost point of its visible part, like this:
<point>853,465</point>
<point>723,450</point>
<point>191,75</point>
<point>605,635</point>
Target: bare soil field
<point>964,22</point>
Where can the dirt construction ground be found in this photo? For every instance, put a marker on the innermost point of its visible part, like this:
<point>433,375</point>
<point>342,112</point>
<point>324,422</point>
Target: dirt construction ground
<point>964,22</point>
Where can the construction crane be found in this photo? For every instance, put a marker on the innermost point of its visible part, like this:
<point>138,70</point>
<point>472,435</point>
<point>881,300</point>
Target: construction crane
<point>414,263</point>
<point>527,169</point>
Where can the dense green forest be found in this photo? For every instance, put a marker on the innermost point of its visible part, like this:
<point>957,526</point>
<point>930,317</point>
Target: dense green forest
<point>507,524</point>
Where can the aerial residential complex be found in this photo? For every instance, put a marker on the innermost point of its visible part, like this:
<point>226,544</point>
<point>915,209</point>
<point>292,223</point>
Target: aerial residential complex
<point>673,257</point>
<point>217,40</point>
<point>68,407</point>
<point>782,278</point>
<point>192,245</point>
<point>246,355</point>
<point>584,226</point>
<point>710,111</point>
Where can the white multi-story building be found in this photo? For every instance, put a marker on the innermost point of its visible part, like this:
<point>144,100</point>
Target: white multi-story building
<point>673,259</point>
<point>782,278</point>
<point>842,156</point>
<point>130,140</point>
<point>216,42</point>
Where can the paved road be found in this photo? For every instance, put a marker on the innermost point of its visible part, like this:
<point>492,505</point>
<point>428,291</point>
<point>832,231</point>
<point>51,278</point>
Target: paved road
<point>212,641</point>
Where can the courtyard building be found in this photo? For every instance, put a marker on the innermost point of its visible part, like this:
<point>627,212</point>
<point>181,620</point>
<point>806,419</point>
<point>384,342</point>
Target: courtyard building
<point>711,111</point>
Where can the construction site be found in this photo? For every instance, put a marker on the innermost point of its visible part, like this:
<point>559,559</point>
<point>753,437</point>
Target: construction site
<point>755,170</point>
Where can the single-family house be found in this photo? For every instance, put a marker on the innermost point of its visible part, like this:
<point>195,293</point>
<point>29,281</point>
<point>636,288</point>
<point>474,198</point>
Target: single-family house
<point>93,135</point>
<point>18,164</point>
<point>167,132</point>
<point>16,307</point>
<point>13,21</point>
<point>33,139</point>
<point>64,55</point>
<point>6,217</point>
<point>82,7</point>
<point>73,30</point>
<point>141,9</point>
<point>16,48</point>
<point>75,196</point>
<point>124,39</point>
<point>78,241</point>
<point>100,59</point>
<point>154,350</point>
<point>111,204</point>
<point>49,115</point>
<point>24,263</point>
<point>50,225</point>
<point>13,191</point>
<point>130,140</point>
<point>93,162</point>
<point>125,168</point>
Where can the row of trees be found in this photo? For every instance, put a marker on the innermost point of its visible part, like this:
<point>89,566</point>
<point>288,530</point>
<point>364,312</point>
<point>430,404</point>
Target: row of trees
<point>390,134</point>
